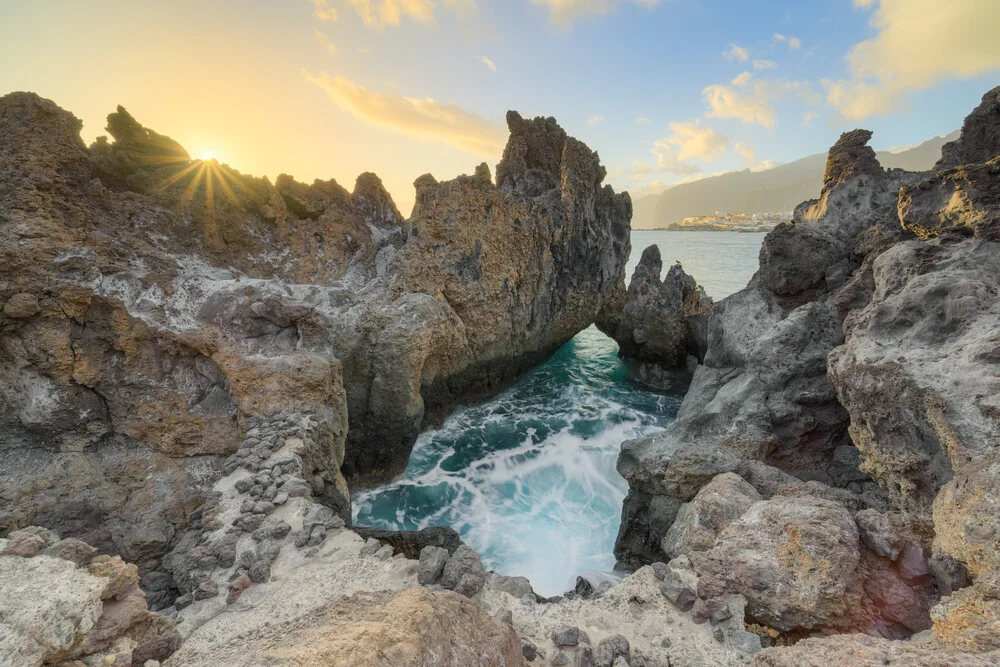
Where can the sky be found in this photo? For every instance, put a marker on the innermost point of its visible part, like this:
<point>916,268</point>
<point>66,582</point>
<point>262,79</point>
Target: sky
<point>664,90</point>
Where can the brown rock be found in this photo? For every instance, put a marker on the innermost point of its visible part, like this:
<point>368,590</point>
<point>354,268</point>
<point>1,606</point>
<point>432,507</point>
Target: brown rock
<point>408,628</point>
<point>21,305</point>
<point>795,560</point>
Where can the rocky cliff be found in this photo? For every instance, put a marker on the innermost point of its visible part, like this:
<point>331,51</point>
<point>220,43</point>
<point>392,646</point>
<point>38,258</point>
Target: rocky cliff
<point>835,459</point>
<point>168,322</point>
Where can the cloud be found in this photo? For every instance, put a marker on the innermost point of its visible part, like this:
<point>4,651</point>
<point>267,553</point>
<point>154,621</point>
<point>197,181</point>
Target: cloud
<point>425,118</point>
<point>325,41</point>
<point>486,61</point>
<point>764,64</point>
<point>727,102</point>
<point>747,152</point>
<point>808,117</point>
<point>595,119</point>
<point>764,165</point>
<point>381,13</point>
<point>642,120</point>
<point>736,53</point>
<point>685,142</point>
<point>794,43</point>
<point>651,188</point>
<point>564,12</point>
<point>323,11</point>
<point>751,101</point>
<point>639,170</point>
<point>918,44</point>
<point>742,79</point>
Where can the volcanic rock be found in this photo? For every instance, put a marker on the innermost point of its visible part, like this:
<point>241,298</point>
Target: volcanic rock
<point>658,322</point>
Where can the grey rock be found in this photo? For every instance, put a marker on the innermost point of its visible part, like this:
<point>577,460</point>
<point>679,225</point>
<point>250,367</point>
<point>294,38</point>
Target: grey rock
<point>610,649</point>
<point>566,636</point>
<point>260,572</point>
<point>505,616</point>
<point>206,589</point>
<point>464,573</point>
<point>677,592</point>
<point>880,532</point>
<point>659,570</point>
<point>432,562</point>
<point>528,650</point>
<point>281,498</point>
<point>654,322</point>
<point>949,574</point>
<point>71,549</point>
<point>718,611</point>
<point>560,658</point>
<point>384,553</point>
<point>515,586</point>
<point>370,547</point>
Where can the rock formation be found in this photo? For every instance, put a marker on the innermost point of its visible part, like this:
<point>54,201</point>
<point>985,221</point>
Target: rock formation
<point>658,325</point>
<point>835,459</point>
<point>167,323</point>
<point>62,603</point>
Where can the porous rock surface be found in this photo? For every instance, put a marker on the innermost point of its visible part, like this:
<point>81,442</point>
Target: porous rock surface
<point>62,603</point>
<point>166,323</point>
<point>853,384</point>
<point>658,323</point>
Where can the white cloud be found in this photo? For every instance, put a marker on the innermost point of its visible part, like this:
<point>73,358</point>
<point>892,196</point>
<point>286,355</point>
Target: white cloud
<point>736,53</point>
<point>685,142</point>
<point>751,101</point>
<point>595,119</point>
<point>564,12</point>
<point>425,118</point>
<point>381,13</point>
<point>325,41</point>
<point>918,44</point>
<point>642,120</point>
<point>652,188</point>
<point>794,43</point>
<point>323,11</point>
<point>742,79</point>
<point>486,61</point>
<point>764,64</point>
<point>747,152</point>
<point>808,117</point>
<point>726,102</point>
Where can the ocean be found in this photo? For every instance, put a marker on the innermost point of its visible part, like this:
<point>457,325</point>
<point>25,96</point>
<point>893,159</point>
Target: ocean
<point>528,478</point>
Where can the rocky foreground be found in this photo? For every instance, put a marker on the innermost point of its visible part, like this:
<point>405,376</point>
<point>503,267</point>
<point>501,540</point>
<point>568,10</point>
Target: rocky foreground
<point>196,362</point>
<point>835,460</point>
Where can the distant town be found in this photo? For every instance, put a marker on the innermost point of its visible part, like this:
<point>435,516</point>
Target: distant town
<point>724,221</point>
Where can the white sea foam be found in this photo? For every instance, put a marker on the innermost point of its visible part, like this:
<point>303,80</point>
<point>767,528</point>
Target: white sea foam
<point>528,479</point>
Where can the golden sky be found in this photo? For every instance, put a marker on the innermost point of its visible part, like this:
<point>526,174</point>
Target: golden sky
<point>665,90</point>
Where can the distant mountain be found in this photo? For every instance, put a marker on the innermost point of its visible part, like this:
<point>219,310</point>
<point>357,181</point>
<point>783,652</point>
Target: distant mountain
<point>779,189</point>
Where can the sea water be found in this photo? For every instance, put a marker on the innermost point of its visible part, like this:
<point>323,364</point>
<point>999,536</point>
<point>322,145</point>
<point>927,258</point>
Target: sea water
<point>528,478</point>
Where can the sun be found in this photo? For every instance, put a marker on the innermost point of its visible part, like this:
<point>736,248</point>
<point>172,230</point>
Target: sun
<point>206,156</point>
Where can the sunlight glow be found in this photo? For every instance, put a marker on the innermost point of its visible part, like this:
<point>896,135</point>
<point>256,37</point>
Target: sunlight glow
<point>207,156</point>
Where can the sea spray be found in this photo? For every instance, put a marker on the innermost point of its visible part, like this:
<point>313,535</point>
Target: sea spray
<point>528,478</point>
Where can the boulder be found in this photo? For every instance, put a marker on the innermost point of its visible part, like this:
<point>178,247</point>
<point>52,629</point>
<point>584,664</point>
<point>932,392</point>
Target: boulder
<point>797,562</point>
<point>699,522</point>
<point>409,628</point>
<point>54,610</point>
<point>432,562</point>
<point>464,573</point>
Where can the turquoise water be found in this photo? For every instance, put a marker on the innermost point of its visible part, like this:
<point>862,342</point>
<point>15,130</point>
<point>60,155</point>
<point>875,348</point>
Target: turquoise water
<point>528,478</point>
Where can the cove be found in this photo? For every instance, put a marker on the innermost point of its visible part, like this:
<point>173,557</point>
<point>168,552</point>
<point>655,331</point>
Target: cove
<point>528,477</point>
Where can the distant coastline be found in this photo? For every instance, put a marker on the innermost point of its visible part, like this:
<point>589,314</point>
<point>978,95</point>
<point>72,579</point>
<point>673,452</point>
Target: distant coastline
<point>674,227</point>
